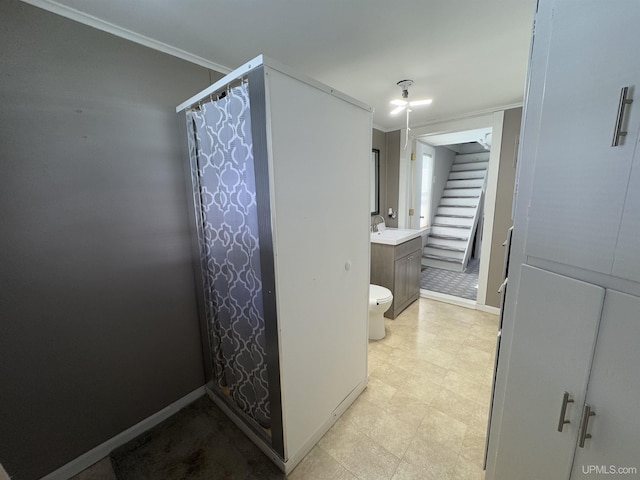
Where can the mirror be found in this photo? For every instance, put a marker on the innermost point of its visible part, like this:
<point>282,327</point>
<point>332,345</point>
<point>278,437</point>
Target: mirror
<point>375,182</point>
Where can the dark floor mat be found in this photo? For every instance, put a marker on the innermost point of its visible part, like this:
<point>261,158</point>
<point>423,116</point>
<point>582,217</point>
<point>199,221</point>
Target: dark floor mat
<point>197,443</point>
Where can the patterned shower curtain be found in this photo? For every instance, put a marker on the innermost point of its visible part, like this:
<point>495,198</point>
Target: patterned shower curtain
<point>230,249</point>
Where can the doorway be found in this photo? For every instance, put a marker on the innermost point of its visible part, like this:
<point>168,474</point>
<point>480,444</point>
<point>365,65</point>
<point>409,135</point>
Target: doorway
<point>442,135</point>
<point>451,257</point>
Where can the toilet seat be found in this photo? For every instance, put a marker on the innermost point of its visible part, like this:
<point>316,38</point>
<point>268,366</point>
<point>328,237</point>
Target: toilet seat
<point>379,294</point>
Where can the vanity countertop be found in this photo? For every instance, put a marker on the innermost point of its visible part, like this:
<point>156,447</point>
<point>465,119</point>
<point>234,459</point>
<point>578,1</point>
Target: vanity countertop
<point>395,236</point>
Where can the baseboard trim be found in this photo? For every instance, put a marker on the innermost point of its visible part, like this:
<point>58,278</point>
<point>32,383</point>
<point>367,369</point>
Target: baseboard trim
<point>460,302</point>
<point>104,449</point>
<point>488,309</point>
<point>453,300</point>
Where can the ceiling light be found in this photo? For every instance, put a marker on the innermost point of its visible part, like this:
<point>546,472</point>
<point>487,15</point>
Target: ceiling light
<point>405,104</point>
<point>416,103</point>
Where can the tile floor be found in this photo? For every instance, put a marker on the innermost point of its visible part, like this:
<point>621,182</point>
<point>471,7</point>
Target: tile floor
<point>424,413</point>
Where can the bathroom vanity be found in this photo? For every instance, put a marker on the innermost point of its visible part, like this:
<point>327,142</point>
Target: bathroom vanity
<point>396,256</point>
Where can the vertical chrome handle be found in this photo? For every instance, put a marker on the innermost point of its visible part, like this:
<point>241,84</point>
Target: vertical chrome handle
<point>565,400</point>
<point>617,131</point>
<point>586,413</point>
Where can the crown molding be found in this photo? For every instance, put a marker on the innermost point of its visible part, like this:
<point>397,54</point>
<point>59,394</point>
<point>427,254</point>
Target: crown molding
<point>95,22</point>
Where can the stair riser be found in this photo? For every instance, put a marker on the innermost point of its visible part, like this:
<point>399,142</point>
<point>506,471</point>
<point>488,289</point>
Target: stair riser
<point>461,167</point>
<point>459,202</point>
<point>444,253</point>
<point>462,192</point>
<point>453,267</point>
<point>477,182</point>
<point>451,232</point>
<point>447,243</point>
<point>456,222</point>
<point>471,157</point>
<point>465,211</point>
<point>464,175</point>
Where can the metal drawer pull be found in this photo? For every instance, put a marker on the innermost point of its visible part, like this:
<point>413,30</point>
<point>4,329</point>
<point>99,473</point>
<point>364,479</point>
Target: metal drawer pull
<point>586,413</point>
<point>562,422</point>
<point>624,101</point>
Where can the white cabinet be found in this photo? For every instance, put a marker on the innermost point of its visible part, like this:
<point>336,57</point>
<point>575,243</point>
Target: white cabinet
<point>580,181</point>
<point>545,435</point>
<point>572,312</point>
<point>613,393</point>
<point>554,337</point>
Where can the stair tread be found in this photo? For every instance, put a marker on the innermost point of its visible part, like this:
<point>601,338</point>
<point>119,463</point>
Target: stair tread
<point>459,159</point>
<point>450,215</point>
<point>442,259</point>
<point>465,207</point>
<point>452,226</point>
<point>475,177</point>
<point>448,237</point>
<point>444,247</point>
<point>457,167</point>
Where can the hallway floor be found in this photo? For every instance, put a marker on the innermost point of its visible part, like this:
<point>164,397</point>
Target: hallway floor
<point>424,413</point>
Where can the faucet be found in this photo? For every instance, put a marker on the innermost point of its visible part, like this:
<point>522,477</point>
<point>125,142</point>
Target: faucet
<point>374,224</point>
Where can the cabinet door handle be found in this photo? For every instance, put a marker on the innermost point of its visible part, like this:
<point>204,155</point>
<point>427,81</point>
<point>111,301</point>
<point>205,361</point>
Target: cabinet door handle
<point>586,413</point>
<point>617,131</point>
<point>563,411</point>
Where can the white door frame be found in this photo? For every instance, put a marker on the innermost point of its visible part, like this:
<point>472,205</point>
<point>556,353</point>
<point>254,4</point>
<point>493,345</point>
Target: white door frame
<point>422,149</point>
<point>492,120</point>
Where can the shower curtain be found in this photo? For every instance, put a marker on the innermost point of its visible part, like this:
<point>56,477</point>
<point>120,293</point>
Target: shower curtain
<point>221,144</point>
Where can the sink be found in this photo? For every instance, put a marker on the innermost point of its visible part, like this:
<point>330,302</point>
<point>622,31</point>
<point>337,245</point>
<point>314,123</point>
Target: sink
<point>394,236</point>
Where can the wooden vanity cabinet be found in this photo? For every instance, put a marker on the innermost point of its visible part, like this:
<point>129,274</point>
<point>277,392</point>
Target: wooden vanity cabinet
<point>397,267</point>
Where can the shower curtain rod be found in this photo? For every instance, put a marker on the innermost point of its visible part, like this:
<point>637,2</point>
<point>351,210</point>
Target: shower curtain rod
<point>219,94</point>
<point>222,83</point>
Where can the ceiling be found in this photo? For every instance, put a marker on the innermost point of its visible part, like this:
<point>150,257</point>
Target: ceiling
<point>468,55</point>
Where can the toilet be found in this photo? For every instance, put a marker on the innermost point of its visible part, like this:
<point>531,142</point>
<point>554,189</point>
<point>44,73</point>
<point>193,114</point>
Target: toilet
<point>380,300</point>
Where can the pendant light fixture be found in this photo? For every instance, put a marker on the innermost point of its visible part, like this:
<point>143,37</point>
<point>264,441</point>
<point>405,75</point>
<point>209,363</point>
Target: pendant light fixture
<point>405,104</point>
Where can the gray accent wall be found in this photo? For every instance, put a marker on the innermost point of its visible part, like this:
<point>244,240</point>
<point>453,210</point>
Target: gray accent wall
<point>393,176</point>
<point>99,325</point>
<point>502,219</point>
<point>379,141</point>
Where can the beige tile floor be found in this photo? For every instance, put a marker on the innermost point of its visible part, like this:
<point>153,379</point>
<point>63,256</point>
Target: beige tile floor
<point>424,413</point>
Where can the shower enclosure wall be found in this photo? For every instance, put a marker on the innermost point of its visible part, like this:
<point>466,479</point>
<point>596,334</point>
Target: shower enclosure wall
<point>280,173</point>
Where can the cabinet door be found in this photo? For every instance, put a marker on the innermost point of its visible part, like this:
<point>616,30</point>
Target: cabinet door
<point>580,180</point>
<point>413,274</point>
<point>627,259</point>
<point>401,284</point>
<point>556,321</point>
<point>613,393</point>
